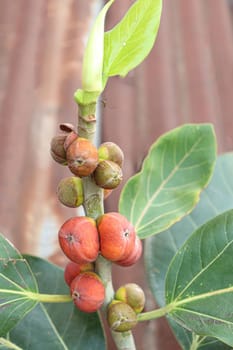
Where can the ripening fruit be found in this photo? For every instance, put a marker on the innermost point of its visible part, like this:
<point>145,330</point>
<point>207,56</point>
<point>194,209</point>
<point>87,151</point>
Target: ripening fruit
<point>108,174</point>
<point>111,151</point>
<point>82,157</point>
<point>70,191</point>
<point>121,317</point>
<point>134,255</point>
<point>79,240</point>
<point>132,295</point>
<point>117,236</point>
<point>73,269</point>
<point>57,150</point>
<point>87,291</point>
<point>69,139</point>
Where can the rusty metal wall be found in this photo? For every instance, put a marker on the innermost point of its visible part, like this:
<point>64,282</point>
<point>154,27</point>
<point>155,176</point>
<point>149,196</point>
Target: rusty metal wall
<point>186,78</point>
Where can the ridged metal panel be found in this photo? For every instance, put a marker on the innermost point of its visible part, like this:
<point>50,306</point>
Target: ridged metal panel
<point>186,78</point>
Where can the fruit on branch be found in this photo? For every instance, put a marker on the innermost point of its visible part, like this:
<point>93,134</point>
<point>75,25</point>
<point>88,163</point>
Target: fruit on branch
<point>134,255</point>
<point>82,157</point>
<point>70,191</point>
<point>57,150</point>
<point>111,151</point>
<point>117,236</point>
<point>71,137</point>
<point>67,127</point>
<point>79,240</point>
<point>108,175</point>
<point>121,317</point>
<point>87,291</point>
<point>132,295</point>
<point>73,269</point>
<point>107,193</point>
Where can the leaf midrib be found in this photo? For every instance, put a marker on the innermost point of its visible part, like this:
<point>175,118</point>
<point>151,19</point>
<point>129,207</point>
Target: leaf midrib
<point>164,182</point>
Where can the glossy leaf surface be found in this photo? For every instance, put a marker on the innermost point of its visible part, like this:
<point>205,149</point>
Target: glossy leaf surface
<point>16,284</point>
<point>130,41</point>
<point>160,249</point>
<point>199,282</point>
<point>178,166</point>
<point>56,326</point>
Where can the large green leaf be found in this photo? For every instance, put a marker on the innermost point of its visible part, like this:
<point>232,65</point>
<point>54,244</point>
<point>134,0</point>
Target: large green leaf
<point>179,165</point>
<point>160,249</point>
<point>130,41</point>
<point>56,326</point>
<point>16,284</point>
<point>199,282</point>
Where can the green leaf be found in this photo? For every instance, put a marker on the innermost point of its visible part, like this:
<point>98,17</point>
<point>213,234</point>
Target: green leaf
<point>130,41</point>
<point>199,282</point>
<point>56,326</point>
<point>179,165</point>
<point>16,284</point>
<point>160,249</point>
<point>94,54</point>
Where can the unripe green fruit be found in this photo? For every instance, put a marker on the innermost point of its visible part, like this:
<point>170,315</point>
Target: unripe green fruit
<point>121,317</point>
<point>57,150</point>
<point>70,191</point>
<point>132,295</point>
<point>111,151</point>
<point>108,175</point>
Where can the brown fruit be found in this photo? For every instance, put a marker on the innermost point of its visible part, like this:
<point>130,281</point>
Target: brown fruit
<point>79,240</point>
<point>121,317</point>
<point>57,150</point>
<point>82,157</point>
<point>117,236</point>
<point>132,295</point>
<point>88,292</point>
<point>71,137</point>
<point>111,151</point>
<point>70,191</point>
<point>134,255</point>
<point>108,175</point>
<point>73,269</point>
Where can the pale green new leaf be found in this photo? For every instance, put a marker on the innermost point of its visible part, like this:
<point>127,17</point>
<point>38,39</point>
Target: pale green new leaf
<point>130,41</point>
<point>16,284</point>
<point>94,54</point>
<point>179,165</point>
<point>199,282</point>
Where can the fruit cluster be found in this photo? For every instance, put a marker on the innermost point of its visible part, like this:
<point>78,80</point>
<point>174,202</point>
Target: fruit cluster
<point>83,159</point>
<point>82,238</point>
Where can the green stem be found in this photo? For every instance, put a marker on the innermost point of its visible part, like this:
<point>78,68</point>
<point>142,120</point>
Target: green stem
<point>93,206</point>
<point>151,315</point>
<point>9,344</point>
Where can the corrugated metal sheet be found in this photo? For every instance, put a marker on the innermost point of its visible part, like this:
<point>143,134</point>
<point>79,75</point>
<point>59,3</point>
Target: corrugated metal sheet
<point>186,78</point>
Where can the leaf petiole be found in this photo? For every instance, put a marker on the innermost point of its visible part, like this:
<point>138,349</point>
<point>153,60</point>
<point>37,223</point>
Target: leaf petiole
<point>152,315</point>
<point>9,344</point>
<point>43,298</point>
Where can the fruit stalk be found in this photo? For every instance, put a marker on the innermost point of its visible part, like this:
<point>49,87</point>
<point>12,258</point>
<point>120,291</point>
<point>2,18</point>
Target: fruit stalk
<point>93,206</point>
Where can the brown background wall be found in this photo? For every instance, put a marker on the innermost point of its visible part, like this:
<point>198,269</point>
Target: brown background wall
<point>188,77</point>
